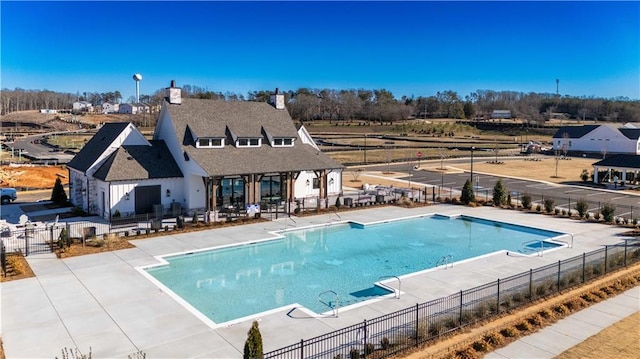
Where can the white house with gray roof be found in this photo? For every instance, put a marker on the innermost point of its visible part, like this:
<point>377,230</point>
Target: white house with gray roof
<point>239,153</point>
<point>205,155</point>
<point>604,139</point>
<point>119,171</point>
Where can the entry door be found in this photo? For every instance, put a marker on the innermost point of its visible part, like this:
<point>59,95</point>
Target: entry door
<point>146,197</point>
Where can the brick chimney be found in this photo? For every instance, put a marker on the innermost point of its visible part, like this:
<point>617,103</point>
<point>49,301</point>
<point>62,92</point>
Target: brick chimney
<point>277,100</point>
<point>174,94</point>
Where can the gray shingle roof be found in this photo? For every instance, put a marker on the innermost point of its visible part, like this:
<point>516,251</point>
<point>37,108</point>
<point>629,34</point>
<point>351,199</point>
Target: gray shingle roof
<point>620,161</point>
<point>139,162</point>
<point>97,145</point>
<point>211,118</point>
<point>574,131</point>
<point>630,133</point>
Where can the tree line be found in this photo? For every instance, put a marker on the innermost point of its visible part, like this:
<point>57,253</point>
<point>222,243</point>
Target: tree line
<point>307,104</point>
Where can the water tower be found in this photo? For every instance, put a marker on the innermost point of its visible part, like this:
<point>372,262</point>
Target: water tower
<point>137,78</point>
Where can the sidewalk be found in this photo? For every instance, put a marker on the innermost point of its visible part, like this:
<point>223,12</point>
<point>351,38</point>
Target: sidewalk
<point>572,330</point>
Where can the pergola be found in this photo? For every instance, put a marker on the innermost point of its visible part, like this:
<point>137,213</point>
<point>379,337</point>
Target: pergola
<point>627,165</point>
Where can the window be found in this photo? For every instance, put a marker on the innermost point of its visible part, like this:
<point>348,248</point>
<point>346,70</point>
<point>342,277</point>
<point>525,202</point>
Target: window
<point>316,183</point>
<point>248,142</point>
<point>209,142</point>
<point>282,142</point>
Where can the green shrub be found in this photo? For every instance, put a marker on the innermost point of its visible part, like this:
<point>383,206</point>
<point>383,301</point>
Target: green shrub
<point>584,176</point>
<point>338,203</point>
<point>539,208</point>
<point>557,211</point>
<point>526,201</point>
<point>607,212</point>
<point>596,216</point>
<point>548,205</point>
<point>116,214</point>
<point>582,207</point>
<point>354,353</point>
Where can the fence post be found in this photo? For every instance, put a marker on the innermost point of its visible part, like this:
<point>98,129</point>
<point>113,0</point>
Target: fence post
<point>559,276</point>
<point>301,348</point>
<point>417,332</point>
<point>498,298</point>
<point>625,252</point>
<point>364,340</point>
<point>606,257</point>
<point>530,284</point>
<point>460,318</point>
<point>569,206</point>
<point>26,241</point>
<point>584,257</point>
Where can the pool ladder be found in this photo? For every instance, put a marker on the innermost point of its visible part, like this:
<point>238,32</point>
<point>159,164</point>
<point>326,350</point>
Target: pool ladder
<point>328,304</point>
<point>445,261</point>
<point>396,292</point>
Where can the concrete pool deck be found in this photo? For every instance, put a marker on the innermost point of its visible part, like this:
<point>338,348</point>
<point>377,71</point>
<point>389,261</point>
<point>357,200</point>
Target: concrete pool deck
<point>103,302</point>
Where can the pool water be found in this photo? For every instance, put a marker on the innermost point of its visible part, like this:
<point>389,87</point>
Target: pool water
<point>234,282</point>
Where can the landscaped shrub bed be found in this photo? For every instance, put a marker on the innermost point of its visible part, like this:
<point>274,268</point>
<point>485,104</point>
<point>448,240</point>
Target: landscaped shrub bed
<point>507,330</point>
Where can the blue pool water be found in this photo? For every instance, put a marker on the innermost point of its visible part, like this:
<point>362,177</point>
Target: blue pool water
<point>235,282</point>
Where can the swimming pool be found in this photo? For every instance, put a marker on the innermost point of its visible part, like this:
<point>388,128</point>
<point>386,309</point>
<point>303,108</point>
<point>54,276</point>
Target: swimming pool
<point>231,283</point>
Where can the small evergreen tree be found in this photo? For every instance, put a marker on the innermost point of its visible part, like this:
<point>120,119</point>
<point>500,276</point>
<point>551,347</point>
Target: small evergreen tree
<point>499,193</point>
<point>338,203</point>
<point>253,345</point>
<point>467,195</point>
<point>58,195</point>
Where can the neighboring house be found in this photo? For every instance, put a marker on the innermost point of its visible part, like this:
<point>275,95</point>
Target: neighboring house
<point>110,107</point>
<point>84,106</point>
<point>119,170</point>
<point>602,139</point>
<point>501,114</point>
<point>242,152</point>
<point>206,155</point>
<point>48,110</point>
<point>134,108</point>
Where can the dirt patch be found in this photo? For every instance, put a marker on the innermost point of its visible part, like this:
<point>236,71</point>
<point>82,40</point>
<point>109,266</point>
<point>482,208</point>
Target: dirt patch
<point>544,169</point>
<point>621,340</point>
<point>32,177</point>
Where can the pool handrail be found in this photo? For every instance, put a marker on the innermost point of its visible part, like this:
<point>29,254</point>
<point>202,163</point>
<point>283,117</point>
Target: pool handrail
<point>445,260</point>
<point>335,310</point>
<point>396,292</point>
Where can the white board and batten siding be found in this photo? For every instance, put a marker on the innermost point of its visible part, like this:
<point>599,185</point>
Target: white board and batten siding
<point>117,198</point>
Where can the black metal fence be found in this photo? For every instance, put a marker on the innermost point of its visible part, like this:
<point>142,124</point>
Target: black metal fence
<point>392,333</point>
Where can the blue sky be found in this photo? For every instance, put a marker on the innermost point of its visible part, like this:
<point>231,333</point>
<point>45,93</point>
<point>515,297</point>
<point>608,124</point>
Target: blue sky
<point>410,48</point>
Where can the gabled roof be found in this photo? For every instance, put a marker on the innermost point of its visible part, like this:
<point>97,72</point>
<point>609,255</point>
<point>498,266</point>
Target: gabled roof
<point>139,162</point>
<point>620,161</point>
<point>630,133</point>
<point>574,131</point>
<point>97,145</point>
<point>213,118</point>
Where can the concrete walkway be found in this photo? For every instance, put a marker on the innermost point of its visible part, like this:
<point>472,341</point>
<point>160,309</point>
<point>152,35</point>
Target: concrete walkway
<point>103,302</point>
<point>572,330</point>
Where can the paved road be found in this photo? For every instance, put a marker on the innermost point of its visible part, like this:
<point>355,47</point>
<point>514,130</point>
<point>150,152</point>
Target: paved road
<point>565,196</point>
<point>32,147</point>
